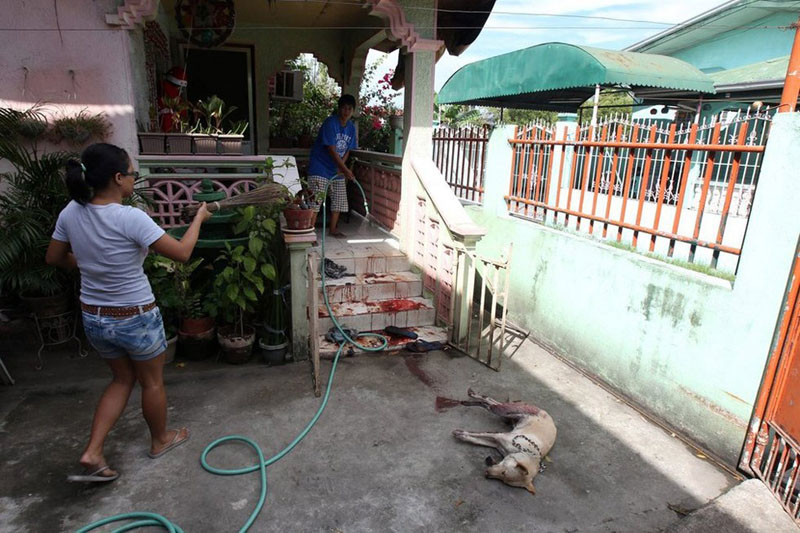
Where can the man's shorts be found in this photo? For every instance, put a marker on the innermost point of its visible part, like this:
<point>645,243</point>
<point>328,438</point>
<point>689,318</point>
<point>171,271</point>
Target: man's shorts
<point>337,192</point>
<point>140,337</point>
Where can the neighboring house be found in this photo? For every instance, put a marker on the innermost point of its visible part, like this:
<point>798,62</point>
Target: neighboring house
<point>743,45</point>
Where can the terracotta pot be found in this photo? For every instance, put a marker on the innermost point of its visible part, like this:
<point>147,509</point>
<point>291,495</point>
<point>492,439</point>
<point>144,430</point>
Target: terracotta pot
<point>152,143</point>
<point>204,144</point>
<point>237,347</point>
<point>230,144</point>
<point>179,144</point>
<point>297,219</point>
<point>197,346</point>
<point>169,353</point>
<point>191,326</point>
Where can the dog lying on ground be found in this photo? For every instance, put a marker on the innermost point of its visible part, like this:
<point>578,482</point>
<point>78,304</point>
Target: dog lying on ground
<point>523,448</point>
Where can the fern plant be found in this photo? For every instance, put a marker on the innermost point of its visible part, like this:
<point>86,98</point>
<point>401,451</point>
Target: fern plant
<point>34,193</point>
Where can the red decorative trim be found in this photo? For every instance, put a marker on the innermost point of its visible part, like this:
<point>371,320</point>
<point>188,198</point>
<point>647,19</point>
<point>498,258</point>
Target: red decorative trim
<point>401,29</point>
<point>133,14</point>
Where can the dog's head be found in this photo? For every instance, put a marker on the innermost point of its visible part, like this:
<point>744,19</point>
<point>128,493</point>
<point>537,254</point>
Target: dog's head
<point>517,470</point>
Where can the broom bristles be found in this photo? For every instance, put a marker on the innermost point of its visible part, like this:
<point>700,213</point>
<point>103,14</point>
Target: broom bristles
<point>266,194</point>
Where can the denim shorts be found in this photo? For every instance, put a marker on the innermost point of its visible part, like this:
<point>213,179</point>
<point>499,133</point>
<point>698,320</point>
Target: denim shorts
<point>141,337</point>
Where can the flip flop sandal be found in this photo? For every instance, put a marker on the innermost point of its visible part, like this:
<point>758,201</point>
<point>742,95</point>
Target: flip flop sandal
<point>421,346</point>
<point>93,477</point>
<point>400,332</point>
<point>171,446</point>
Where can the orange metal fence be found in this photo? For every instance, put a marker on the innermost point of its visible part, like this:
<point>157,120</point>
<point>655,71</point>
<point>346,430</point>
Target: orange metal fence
<point>460,155</point>
<point>687,187</point>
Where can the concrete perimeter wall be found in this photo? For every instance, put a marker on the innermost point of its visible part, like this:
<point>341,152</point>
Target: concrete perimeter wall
<point>690,348</point>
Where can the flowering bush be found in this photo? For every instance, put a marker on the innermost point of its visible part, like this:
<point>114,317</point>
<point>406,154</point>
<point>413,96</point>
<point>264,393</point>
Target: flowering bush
<point>376,101</point>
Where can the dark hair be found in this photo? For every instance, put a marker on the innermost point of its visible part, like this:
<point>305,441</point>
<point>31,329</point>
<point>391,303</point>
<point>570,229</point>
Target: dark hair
<point>99,163</point>
<point>346,99</point>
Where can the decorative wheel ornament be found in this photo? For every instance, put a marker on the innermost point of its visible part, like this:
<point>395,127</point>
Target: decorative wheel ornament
<point>205,23</point>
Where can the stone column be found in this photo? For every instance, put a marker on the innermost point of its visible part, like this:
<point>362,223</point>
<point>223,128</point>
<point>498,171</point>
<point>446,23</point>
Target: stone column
<point>298,246</point>
<point>417,133</point>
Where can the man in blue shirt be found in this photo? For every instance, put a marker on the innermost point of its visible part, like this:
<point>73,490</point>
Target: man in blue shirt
<point>336,138</point>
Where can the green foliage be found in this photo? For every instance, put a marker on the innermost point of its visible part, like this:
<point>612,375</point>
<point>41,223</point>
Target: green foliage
<point>376,105</point>
<point>293,119</point>
<point>193,289</point>
<point>160,272</point>
<point>79,129</point>
<point>34,195</point>
<point>213,113</point>
<point>247,269</point>
<point>528,116</point>
<point>611,102</point>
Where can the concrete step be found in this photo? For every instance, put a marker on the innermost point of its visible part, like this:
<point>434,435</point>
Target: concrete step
<point>327,349</point>
<point>375,315</point>
<point>370,287</point>
<point>368,258</point>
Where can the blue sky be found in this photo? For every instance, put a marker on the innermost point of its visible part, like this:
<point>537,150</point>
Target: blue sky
<point>514,24</point>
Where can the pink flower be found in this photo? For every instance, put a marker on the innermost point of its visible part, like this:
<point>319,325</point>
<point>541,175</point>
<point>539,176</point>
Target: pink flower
<point>376,123</point>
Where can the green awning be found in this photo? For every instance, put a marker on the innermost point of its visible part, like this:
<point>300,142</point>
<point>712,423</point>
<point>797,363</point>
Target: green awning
<point>560,77</point>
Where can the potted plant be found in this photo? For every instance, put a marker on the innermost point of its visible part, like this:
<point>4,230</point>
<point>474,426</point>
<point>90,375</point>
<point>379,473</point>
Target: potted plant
<point>239,285</point>
<point>81,128</point>
<point>33,195</point>
<point>179,140</point>
<point>212,112</point>
<point>197,310</point>
<point>161,274</point>
<point>230,143</point>
<point>261,223</point>
<point>301,211</point>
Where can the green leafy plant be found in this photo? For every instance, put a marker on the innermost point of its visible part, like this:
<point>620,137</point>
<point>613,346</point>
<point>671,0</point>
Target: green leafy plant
<point>248,269</point>
<point>193,287</point>
<point>161,274</point>
<point>178,109</point>
<point>34,194</point>
<point>213,112</point>
<point>79,129</point>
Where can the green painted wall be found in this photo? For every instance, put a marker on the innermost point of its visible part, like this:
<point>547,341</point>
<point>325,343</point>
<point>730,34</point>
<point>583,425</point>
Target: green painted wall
<point>689,347</point>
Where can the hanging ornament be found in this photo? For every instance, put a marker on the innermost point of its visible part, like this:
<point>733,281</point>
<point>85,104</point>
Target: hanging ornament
<point>205,23</point>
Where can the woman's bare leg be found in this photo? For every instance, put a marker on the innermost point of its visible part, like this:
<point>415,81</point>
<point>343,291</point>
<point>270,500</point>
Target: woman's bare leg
<point>150,375</point>
<point>109,408</point>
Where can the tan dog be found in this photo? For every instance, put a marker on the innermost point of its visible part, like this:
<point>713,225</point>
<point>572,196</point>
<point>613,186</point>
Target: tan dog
<point>523,447</point>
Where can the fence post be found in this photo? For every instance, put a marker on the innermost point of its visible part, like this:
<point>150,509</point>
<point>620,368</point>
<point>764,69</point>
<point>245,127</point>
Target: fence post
<point>498,170</point>
<point>568,122</point>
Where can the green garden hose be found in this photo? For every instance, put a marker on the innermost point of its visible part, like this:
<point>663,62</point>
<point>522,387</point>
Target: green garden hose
<point>153,519</point>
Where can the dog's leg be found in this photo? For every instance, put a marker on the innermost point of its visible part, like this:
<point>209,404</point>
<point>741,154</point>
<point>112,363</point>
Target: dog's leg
<point>480,400</point>
<point>481,439</point>
<point>511,412</point>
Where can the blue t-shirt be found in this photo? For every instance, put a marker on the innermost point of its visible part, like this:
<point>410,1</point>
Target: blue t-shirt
<point>110,243</point>
<point>332,133</point>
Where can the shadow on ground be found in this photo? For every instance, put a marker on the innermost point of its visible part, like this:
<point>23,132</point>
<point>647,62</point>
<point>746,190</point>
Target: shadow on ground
<point>381,457</point>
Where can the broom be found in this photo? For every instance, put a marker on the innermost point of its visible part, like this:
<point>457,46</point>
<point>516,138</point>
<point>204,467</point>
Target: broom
<point>269,193</point>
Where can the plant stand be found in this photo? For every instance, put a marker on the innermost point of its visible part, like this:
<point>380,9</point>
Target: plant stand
<point>56,329</point>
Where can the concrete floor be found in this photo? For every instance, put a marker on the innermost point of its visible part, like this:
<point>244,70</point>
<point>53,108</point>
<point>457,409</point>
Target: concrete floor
<point>381,457</point>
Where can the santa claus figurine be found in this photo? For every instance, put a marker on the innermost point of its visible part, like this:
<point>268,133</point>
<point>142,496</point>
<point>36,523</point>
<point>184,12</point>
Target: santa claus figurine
<point>172,105</point>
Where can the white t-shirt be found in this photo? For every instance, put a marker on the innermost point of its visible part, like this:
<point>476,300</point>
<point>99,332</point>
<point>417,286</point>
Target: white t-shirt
<point>110,243</point>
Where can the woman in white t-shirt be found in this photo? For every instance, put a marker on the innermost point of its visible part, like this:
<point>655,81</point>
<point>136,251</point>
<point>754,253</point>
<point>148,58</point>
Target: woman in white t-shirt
<point>107,242</point>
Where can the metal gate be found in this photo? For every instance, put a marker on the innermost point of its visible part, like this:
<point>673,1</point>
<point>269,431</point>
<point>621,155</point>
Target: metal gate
<point>772,446</point>
<point>481,333</point>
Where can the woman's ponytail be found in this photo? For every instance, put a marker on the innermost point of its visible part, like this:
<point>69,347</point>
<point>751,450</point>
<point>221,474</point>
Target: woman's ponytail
<point>79,190</point>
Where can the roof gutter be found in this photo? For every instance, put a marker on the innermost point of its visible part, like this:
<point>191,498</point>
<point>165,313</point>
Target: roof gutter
<point>749,86</point>
<point>681,26</point>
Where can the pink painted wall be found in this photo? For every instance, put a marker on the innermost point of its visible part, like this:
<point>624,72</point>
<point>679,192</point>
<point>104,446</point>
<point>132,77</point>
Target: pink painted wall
<point>85,66</point>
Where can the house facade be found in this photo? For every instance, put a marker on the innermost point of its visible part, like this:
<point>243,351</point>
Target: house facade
<point>742,45</point>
